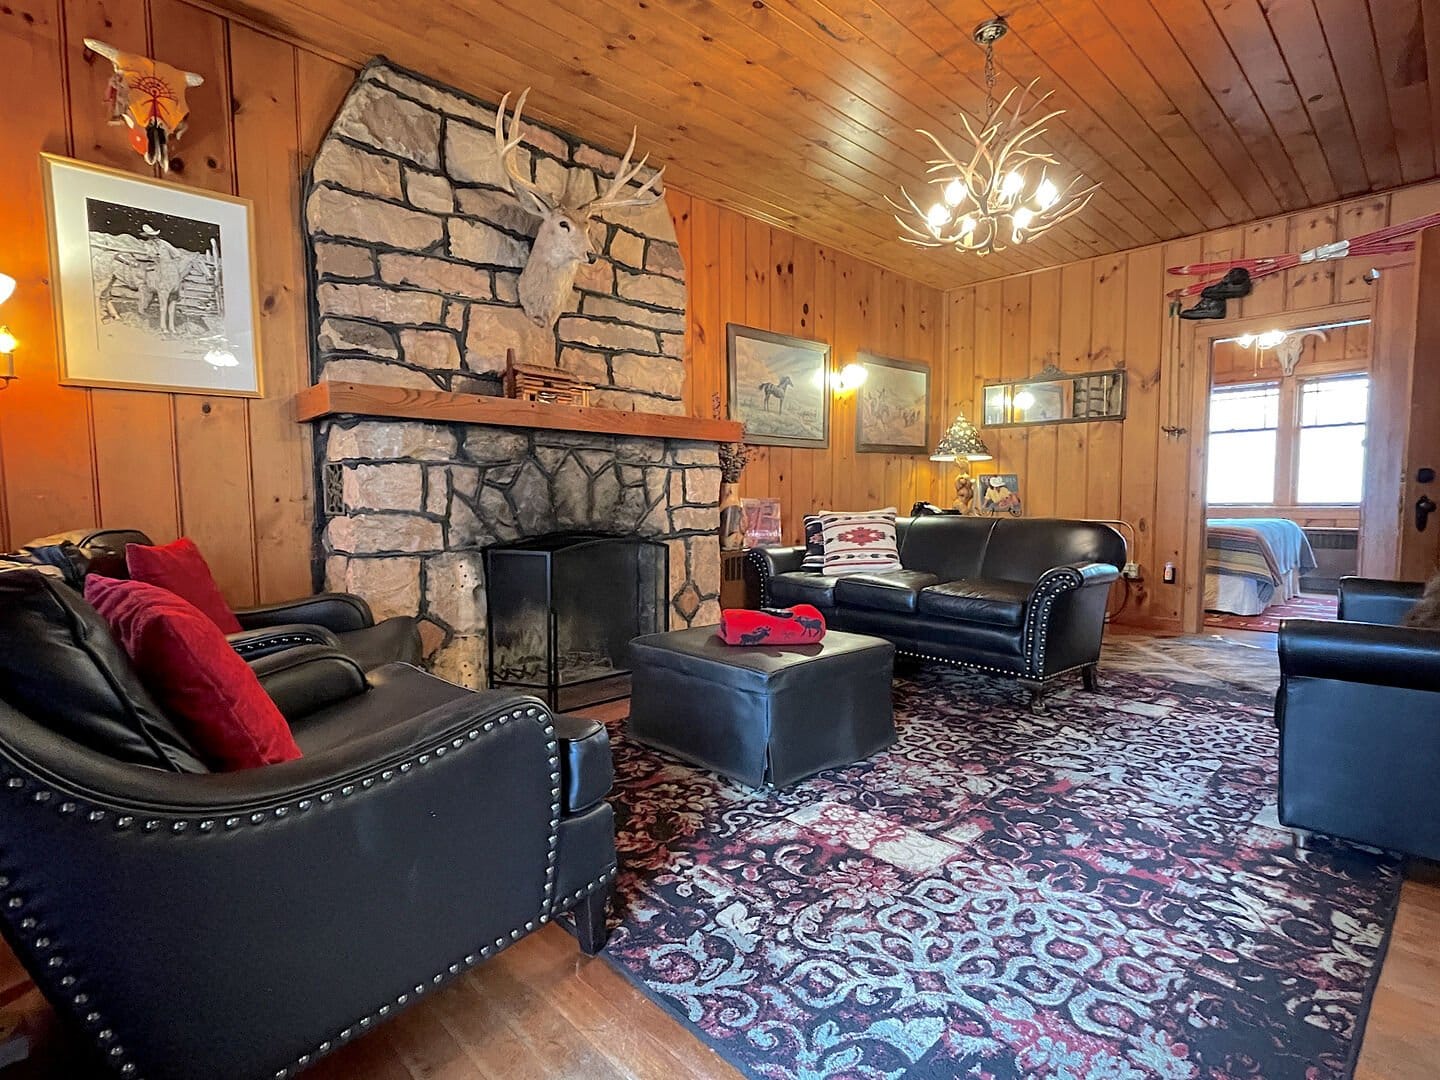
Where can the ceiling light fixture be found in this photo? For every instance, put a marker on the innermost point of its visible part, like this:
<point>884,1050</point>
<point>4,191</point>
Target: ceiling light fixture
<point>996,199</point>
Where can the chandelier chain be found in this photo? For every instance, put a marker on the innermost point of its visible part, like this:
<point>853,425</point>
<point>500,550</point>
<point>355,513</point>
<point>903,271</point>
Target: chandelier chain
<point>989,82</point>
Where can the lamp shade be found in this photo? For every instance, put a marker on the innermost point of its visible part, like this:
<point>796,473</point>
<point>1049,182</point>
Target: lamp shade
<point>7,287</point>
<point>961,440</point>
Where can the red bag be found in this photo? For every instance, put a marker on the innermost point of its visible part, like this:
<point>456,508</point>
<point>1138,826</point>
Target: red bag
<point>801,625</point>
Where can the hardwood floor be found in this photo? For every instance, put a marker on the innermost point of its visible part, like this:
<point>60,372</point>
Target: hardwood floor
<point>542,1010</point>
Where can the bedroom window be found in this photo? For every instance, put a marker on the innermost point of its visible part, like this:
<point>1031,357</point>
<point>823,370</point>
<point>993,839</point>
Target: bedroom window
<point>1330,455</point>
<point>1244,434</point>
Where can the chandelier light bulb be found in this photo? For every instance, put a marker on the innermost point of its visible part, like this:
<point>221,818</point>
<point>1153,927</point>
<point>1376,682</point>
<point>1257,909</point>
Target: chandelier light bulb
<point>1023,217</point>
<point>1046,194</point>
<point>967,226</point>
<point>938,216</point>
<point>1012,185</point>
<point>955,192</point>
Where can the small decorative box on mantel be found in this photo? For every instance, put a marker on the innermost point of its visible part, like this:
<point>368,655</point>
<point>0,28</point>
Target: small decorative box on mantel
<point>538,382</point>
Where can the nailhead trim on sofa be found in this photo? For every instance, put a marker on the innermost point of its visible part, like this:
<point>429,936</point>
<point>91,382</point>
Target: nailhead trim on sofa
<point>43,939</point>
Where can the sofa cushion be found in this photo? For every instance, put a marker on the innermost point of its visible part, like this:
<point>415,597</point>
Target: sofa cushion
<point>1022,549</point>
<point>860,542</point>
<point>979,600</point>
<point>800,587</point>
<point>180,568</point>
<point>191,669</point>
<point>949,546</point>
<point>893,591</point>
<point>63,669</point>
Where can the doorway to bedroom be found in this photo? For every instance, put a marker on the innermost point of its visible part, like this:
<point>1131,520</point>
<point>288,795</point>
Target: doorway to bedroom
<point>1285,471</point>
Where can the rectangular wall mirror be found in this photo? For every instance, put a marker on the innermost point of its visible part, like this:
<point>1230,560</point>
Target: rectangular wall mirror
<point>1056,397</point>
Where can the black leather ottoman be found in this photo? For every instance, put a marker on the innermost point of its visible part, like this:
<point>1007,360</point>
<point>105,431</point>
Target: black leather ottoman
<point>762,715</point>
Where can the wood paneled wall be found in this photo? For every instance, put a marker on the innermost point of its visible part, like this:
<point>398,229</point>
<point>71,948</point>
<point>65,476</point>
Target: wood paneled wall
<point>235,474</point>
<point>1110,311</point>
<point>232,473</point>
<point>743,271</point>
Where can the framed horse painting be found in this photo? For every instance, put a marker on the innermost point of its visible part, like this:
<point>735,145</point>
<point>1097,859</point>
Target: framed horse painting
<point>779,387</point>
<point>892,407</point>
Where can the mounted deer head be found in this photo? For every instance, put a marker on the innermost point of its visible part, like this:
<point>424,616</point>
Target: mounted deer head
<point>563,241</point>
<point>148,97</point>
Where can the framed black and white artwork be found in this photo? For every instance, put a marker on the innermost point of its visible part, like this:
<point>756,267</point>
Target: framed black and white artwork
<point>153,283</point>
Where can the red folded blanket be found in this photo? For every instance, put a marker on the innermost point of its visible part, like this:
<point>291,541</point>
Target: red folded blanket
<point>799,625</point>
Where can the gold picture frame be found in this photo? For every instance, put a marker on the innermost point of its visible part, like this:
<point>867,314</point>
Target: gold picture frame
<point>154,284</point>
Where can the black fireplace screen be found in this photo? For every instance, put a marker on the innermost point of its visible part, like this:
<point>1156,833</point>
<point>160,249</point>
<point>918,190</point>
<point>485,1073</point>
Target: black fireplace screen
<point>563,608</point>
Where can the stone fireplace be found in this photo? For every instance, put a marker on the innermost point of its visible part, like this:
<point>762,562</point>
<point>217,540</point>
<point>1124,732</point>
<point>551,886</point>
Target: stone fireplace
<point>415,251</point>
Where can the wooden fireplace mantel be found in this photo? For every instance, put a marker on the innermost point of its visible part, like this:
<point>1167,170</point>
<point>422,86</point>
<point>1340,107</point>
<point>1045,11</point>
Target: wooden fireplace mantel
<point>360,399</point>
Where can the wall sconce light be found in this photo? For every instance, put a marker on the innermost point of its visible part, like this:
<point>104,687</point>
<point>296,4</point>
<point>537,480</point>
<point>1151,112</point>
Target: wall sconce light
<point>7,339</point>
<point>850,377</point>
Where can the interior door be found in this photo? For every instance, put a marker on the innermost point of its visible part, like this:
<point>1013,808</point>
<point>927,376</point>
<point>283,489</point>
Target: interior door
<point>1419,553</point>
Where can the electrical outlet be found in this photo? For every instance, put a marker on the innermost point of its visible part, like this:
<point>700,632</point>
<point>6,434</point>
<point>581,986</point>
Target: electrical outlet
<point>1131,571</point>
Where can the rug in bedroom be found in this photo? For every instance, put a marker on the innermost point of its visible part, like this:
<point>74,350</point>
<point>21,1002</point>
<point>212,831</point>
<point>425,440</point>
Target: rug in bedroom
<point>1305,606</point>
<point>1086,893</point>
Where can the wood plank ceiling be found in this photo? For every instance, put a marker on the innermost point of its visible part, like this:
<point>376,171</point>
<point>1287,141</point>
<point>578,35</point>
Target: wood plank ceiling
<point>1195,114</point>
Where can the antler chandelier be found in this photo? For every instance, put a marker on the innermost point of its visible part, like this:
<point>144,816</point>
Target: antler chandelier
<point>998,197</point>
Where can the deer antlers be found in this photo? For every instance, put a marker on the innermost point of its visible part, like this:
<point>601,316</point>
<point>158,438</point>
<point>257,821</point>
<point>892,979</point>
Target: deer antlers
<point>537,201</point>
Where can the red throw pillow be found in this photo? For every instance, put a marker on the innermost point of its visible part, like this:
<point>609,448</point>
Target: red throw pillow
<point>192,671</point>
<point>800,625</point>
<point>181,568</point>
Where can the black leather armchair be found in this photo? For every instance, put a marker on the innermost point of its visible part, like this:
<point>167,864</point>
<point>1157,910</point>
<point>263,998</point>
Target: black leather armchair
<point>340,620</point>
<point>240,925</point>
<point>1020,597</point>
<point>1359,717</point>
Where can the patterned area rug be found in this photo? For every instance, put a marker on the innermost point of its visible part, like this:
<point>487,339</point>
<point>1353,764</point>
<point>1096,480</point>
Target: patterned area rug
<point>1299,607</point>
<point>1084,894</point>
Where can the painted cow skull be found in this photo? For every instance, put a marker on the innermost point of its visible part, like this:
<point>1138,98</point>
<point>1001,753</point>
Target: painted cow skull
<point>563,242</point>
<point>148,97</point>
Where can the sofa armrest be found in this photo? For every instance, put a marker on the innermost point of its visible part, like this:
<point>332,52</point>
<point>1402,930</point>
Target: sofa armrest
<point>264,641</point>
<point>307,678</point>
<point>337,612</point>
<point>1373,600</point>
<point>1074,576</point>
<point>777,560</point>
<point>1370,653</point>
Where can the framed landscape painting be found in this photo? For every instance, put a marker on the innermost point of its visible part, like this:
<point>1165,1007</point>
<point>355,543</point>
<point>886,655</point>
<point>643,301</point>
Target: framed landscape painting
<point>779,387</point>
<point>154,283</point>
<point>892,407</point>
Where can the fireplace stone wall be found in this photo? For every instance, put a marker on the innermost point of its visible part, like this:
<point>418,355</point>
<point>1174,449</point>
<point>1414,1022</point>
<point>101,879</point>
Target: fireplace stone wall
<point>410,507</point>
<point>416,250</point>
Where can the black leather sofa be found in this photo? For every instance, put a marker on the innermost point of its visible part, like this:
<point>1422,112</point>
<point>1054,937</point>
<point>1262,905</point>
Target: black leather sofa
<point>1359,717</point>
<point>1023,597</point>
<point>341,621</point>
<point>240,925</point>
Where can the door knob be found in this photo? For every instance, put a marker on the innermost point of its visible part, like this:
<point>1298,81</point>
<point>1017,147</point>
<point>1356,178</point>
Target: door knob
<point>1424,507</point>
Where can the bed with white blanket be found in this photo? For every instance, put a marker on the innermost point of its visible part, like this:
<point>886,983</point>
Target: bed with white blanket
<point>1252,563</point>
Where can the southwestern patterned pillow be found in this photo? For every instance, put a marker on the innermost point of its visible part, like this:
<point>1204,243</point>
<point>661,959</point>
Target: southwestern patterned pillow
<point>814,561</point>
<point>860,543</point>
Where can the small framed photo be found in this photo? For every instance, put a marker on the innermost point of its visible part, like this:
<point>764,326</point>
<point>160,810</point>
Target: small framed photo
<point>154,283</point>
<point>779,387</point>
<point>999,494</point>
<point>892,407</point>
<point>762,522</point>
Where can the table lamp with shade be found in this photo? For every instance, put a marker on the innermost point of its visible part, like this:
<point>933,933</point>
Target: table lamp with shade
<point>962,443</point>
